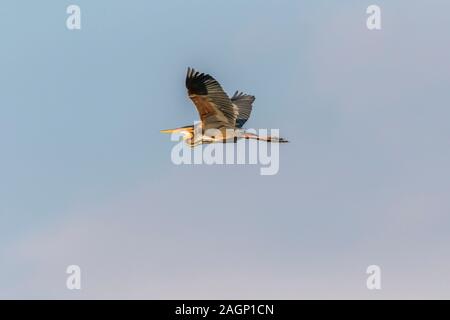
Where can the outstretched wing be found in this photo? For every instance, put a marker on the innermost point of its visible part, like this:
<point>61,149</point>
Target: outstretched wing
<point>212,103</point>
<point>244,104</point>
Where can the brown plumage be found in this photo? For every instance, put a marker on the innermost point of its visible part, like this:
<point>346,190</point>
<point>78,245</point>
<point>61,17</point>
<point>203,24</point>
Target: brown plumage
<point>218,113</point>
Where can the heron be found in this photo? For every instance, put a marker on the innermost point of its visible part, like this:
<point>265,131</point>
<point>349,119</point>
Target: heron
<point>221,118</point>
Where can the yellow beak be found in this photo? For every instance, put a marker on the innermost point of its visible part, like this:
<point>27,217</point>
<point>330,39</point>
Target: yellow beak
<point>168,130</point>
<point>183,129</point>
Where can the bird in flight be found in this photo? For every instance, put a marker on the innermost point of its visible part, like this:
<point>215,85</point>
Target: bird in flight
<point>221,117</point>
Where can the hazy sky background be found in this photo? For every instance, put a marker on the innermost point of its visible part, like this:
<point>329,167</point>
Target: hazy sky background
<point>86,177</point>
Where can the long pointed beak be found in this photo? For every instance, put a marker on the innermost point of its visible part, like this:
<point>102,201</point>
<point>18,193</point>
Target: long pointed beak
<point>172,130</point>
<point>182,129</point>
<point>168,130</point>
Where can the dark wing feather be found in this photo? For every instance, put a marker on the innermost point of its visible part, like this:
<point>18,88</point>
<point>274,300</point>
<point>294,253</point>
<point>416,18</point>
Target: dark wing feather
<point>212,103</point>
<point>244,104</point>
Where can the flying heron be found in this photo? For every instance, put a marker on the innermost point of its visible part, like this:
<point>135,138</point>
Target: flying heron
<point>221,118</point>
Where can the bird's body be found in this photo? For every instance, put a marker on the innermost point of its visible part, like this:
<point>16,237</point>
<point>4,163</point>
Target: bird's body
<point>221,117</point>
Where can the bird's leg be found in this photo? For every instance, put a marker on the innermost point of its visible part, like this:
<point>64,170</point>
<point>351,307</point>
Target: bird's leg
<point>253,136</point>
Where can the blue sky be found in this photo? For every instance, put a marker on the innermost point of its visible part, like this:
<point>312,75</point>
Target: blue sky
<point>87,177</point>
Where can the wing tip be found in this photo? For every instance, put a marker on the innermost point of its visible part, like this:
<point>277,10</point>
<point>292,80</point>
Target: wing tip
<point>196,82</point>
<point>190,72</point>
<point>239,95</point>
